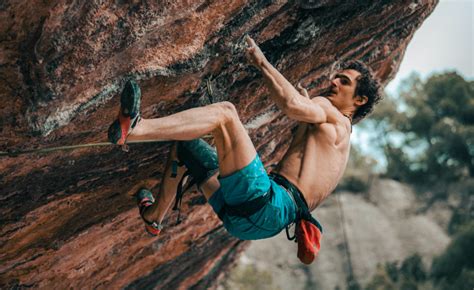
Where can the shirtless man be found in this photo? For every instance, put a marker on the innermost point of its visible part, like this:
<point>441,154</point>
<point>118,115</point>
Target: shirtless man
<point>256,206</point>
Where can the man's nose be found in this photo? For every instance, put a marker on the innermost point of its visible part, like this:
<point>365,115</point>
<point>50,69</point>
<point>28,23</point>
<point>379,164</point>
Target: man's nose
<point>334,83</point>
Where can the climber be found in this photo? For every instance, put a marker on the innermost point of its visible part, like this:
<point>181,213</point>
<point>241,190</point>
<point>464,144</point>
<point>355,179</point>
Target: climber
<point>251,203</point>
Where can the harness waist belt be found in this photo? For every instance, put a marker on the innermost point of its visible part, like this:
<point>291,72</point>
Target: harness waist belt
<point>301,205</point>
<point>293,190</point>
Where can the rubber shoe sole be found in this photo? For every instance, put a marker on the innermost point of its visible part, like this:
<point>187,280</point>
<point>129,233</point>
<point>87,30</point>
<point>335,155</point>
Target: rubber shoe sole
<point>145,199</point>
<point>129,114</point>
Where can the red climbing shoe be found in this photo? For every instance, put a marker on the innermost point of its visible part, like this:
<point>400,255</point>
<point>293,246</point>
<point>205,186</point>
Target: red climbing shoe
<point>144,200</point>
<point>129,114</point>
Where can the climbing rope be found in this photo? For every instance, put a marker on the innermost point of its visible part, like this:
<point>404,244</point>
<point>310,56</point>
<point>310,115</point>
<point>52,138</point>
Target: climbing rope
<point>16,152</point>
<point>346,244</point>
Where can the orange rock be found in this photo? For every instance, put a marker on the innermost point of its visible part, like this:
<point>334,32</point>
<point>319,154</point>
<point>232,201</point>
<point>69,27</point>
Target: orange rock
<point>66,217</point>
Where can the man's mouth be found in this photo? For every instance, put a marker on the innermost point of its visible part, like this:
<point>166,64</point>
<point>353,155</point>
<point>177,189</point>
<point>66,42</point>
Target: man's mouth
<point>329,91</point>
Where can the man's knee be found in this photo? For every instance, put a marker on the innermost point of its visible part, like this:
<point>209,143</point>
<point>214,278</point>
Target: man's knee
<point>228,112</point>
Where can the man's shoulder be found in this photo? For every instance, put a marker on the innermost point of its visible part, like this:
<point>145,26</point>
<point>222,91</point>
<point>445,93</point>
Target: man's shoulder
<point>321,101</point>
<point>325,104</point>
<point>334,116</point>
<point>330,109</point>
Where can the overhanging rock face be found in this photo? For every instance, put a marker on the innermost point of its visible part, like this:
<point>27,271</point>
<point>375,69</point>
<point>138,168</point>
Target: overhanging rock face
<point>67,218</point>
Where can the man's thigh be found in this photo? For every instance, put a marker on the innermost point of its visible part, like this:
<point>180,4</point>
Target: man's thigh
<point>235,149</point>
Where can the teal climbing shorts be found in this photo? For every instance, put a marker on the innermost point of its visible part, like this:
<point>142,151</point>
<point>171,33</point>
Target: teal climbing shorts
<point>247,184</point>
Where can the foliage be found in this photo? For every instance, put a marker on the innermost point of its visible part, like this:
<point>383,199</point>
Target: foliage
<point>381,280</point>
<point>359,171</point>
<point>453,270</point>
<point>248,277</point>
<point>463,215</point>
<point>410,275</point>
<point>412,268</point>
<point>465,281</point>
<point>428,133</point>
<point>427,137</point>
<point>456,264</point>
<point>353,284</point>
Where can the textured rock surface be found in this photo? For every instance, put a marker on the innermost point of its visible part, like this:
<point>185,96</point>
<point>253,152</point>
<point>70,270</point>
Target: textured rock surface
<point>66,217</point>
<point>383,226</point>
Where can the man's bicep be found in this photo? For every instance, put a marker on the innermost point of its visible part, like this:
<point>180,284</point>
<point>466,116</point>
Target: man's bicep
<point>307,110</point>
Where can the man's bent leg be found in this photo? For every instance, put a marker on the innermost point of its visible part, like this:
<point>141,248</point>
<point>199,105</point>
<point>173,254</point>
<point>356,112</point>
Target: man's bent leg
<point>167,191</point>
<point>234,147</point>
<point>242,175</point>
<point>210,186</point>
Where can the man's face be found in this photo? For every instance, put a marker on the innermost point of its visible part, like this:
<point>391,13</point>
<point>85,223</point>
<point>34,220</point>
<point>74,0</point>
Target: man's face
<point>343,86</point>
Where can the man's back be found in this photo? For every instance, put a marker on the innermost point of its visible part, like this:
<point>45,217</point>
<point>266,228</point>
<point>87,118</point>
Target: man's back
<point>317,158</point>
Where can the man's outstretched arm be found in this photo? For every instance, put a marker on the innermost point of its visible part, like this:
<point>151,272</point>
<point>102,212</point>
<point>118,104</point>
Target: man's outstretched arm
<point>287,98</point>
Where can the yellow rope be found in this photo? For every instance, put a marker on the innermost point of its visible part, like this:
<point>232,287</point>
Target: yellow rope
<point>15,153</point>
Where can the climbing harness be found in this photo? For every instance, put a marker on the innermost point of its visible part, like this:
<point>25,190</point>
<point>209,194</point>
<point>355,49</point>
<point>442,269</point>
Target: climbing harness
<point>201,162</point>
<point>308,231</point>
<point>247,209</point>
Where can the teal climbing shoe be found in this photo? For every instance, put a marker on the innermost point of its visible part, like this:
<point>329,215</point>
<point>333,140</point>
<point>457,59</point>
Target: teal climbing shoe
<point>129,114</point>
<point>145,199</point>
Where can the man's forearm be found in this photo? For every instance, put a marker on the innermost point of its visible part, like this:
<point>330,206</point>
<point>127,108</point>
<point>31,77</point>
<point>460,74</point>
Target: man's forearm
<point>281,90</point>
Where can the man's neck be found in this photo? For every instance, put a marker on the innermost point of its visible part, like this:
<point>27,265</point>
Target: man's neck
<point>348,114</point>
<point>348,117</point>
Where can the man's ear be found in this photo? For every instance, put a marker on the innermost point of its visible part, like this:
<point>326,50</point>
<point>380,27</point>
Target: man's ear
<point>361,100</point>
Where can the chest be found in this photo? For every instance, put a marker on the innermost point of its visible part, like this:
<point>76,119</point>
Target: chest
<point>327,133</point>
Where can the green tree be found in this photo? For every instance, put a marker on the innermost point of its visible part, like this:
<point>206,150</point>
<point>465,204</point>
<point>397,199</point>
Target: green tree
<point>412,268</point>
<point>359,171</point>
<point>427,133</point>
<point>456,264</point>
<point>427,136</point>
<point>439,117</point>
<point>381,280</point>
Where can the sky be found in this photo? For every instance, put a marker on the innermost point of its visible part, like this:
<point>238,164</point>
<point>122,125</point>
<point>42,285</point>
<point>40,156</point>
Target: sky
<point>444,42</point>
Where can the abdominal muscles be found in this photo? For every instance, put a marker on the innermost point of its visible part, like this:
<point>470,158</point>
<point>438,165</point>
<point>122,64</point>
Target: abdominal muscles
<point>314,163</point>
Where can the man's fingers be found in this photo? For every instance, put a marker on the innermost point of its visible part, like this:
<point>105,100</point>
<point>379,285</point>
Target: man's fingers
<point>248,54</point>
<point>249,51</point>
<point>302,90</point>
<point>250,41</point>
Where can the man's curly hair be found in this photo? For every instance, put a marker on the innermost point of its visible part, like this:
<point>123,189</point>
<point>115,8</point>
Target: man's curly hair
<point>367,85</point>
